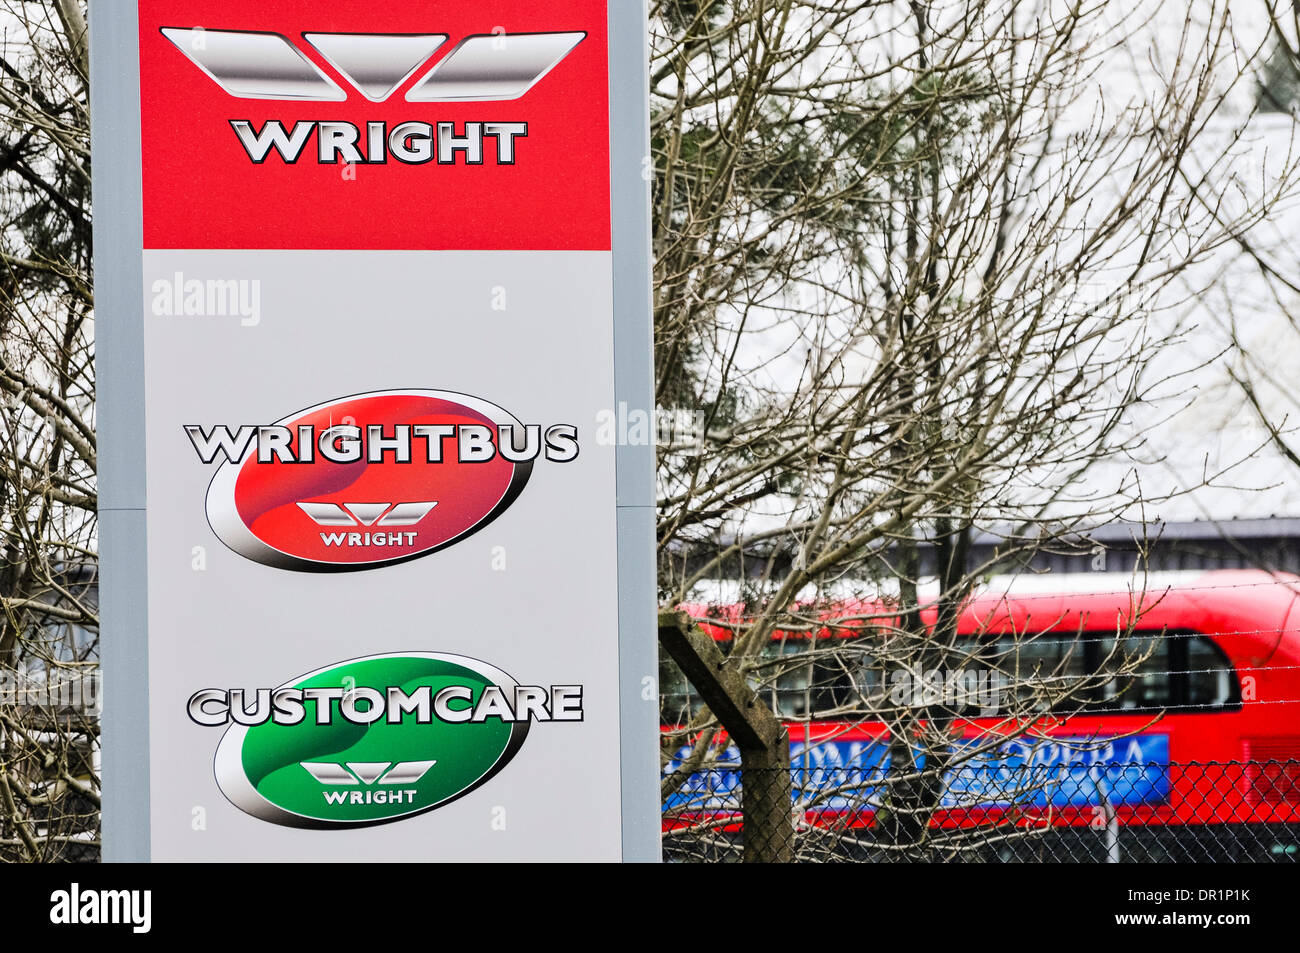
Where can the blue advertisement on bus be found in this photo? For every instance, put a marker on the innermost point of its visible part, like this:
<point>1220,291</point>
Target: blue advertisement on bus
<point>1057,773</point>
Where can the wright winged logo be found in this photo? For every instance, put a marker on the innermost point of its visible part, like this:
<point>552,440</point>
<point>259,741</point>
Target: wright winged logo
<point>367,514</point>
<point>367,772</point>
<point>480,68</point>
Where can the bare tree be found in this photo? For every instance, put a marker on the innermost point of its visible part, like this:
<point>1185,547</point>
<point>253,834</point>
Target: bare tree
<point>912,262</point>
<point>908,261</point>
<point>48,634</point>
<point>1263,335</point>
<point>1251,403</point>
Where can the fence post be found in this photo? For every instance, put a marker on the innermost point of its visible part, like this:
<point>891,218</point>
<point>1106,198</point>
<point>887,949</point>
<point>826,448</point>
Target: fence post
<point>1112,828</point>
<point>765,800</point>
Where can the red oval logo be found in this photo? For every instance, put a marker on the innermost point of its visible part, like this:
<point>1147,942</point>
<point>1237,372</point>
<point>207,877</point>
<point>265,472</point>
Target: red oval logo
<point>370,480</point>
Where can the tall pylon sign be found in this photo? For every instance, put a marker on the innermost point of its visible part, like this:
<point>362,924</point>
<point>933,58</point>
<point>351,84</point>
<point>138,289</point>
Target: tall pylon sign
<point>367,277</point>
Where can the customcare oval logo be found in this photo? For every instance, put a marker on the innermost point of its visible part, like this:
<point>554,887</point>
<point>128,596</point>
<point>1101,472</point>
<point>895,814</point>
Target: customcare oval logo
<point>373,739</point>
<point>370,480</point>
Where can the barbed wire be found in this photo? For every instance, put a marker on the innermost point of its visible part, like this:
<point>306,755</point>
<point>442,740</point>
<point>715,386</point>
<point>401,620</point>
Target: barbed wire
<point>1154,712</point>
<point>980,595</point>
<point>781,634</point>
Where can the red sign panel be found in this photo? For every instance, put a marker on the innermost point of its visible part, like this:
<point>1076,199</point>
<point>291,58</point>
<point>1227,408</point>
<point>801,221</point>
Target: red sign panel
<point>488,129</point>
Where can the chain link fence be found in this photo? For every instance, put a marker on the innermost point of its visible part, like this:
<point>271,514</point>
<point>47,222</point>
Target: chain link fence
<point>1106,813</point>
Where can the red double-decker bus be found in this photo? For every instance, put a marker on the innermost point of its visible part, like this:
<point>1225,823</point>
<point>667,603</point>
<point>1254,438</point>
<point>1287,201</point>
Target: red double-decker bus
<point>1201,730</point>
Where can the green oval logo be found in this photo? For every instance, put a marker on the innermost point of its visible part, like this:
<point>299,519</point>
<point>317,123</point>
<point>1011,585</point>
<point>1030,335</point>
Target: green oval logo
<point>370,740</point>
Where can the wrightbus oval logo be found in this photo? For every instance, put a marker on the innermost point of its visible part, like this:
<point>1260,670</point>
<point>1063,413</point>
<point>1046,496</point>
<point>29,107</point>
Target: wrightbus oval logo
<point>370,480</point>
<point>373,739</point>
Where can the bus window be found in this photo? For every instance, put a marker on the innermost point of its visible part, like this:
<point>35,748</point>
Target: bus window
<point>677,701</point>
<point>793,680</point>
<point>1043,667</point>
<point>1176,671</point>
<point>813,678</point>
<point>1148,684</point>
<point>844,675</point>
<point>820,678</point>
<point>1211,681</point>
